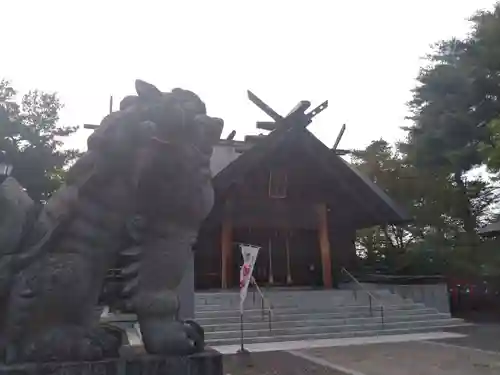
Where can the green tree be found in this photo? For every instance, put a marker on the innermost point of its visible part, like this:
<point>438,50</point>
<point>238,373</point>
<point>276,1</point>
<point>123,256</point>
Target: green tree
<point>433,242</point>
<point>457,92</point>
<point>32,138</point>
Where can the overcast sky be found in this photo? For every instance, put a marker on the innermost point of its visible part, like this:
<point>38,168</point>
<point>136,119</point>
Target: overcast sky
<point>363,56</point>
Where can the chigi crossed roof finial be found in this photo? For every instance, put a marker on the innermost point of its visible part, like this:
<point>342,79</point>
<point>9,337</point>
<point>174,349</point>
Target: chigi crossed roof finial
<point>296,117</point>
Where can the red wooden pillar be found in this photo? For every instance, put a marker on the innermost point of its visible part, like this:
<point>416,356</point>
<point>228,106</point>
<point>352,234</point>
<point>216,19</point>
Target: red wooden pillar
<point>324,245</point>
<point>227,252</point>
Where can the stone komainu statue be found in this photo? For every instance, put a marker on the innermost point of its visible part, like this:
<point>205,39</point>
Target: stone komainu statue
<point>150,160</point>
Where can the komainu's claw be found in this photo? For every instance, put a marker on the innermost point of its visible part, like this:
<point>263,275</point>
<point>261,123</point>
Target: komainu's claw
<point>196,334</point>
<point>175,338</point>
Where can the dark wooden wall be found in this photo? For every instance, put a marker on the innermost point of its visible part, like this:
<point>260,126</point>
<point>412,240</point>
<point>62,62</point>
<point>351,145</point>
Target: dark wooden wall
<point>207,258</point>
<point>272,213</point>
<point>304,252</point>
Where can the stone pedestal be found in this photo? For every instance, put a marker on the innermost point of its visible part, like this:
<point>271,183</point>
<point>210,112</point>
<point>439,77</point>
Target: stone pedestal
<point>206,363</point>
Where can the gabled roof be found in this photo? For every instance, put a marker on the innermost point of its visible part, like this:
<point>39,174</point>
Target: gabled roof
<point>240,166</point>
<point>372,205</point>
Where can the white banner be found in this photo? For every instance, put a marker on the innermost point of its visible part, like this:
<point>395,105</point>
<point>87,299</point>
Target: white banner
<point>249,253</point>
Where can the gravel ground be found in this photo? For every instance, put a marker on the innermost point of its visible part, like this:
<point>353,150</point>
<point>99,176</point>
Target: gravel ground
<point>273,363</point>
<point>410,358</point>
<point>479,336</point>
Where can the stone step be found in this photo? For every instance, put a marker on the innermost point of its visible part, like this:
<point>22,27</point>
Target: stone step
<point>217,299</point>
<point>312,322</point>
<point>335,335</point>
<point>302,298</point>
<point>299,303</point>
<point>209,297</point>
<point>312,330</point>
<point>289,292</point>
<point>295,315</point>
<point>310,314</point>
<point>314,316</point>
<point>307,310</point>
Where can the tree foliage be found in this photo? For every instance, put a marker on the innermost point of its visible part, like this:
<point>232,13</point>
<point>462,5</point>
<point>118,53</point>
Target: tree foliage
<point>32,138</point>
<point>457,94</point>
<point>436,242</point>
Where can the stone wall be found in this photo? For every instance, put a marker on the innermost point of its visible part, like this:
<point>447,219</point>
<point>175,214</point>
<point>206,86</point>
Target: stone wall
<point>431,295</point>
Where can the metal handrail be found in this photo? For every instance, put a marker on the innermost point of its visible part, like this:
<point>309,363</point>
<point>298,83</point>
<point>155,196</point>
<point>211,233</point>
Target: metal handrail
<point>371,297</point>
<point>264,301</point>
<point>360,285</point>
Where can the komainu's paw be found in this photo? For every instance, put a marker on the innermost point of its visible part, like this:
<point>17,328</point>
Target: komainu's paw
<point>172,338</point>
<point>196,333</point>
<point>67,344</point>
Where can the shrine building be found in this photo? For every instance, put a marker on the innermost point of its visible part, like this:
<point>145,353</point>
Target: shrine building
<point>296,198</point>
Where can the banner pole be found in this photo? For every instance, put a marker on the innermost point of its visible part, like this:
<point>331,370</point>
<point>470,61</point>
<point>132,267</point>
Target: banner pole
<point>249,254</point>
<point>242,345</point>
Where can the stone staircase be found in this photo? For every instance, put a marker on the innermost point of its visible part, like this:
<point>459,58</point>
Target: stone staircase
<point>313,314</point>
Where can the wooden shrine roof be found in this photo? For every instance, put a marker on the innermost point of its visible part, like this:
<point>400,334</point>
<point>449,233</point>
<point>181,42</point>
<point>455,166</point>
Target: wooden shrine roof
<point>370,204</point>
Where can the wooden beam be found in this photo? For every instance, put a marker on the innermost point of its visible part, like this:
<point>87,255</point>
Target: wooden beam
<point>266,125</point>
<point>227,252</point>
<point>254,138</point>
<point>299,108</point>
<point>341,152</point>
<point>324,244</point>
<point>339,137</point>
<point>263,106</point>
<point>270,252</point>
